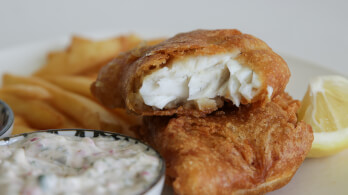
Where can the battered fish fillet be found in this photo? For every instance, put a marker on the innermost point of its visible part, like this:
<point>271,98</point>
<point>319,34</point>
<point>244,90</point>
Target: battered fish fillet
<point>246,150</point>
<point>193,73</point>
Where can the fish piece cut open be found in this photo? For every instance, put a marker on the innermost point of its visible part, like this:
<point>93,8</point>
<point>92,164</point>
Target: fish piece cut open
<point>193,73</point>
<point>204,80</point>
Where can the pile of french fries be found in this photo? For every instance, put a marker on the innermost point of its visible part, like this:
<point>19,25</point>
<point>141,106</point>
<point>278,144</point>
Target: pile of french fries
<point>58,94</point>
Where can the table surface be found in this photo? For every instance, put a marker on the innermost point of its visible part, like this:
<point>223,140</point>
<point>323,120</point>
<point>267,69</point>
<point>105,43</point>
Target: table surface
<point>312,30</point>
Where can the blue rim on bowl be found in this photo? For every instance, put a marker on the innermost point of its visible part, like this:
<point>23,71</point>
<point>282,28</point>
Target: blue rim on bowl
<point>6,118</point>
<point>96,133</point>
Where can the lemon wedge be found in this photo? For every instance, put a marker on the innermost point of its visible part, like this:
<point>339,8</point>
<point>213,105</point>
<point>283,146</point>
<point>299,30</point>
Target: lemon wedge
<point>325,108</point>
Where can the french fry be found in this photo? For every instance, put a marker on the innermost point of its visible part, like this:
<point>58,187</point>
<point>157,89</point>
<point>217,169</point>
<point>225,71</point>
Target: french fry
<point>85,111</point>
<point>77,84</point>
<point>84,54</point>
<point>155,41</point>
<point>70,124</point>
<point>59,96</point>
<point>129,41</point>
<point>19,129</point>
<point>33,91</point>
<point>19,120</point>
<point>37,113</point>
<point>26,91</point>
<point>130,119</point>
<point>91,75</point>
<point>21,126</point>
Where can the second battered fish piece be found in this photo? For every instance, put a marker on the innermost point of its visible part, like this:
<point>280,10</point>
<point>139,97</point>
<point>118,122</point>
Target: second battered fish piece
<point>246,150</point>
<point>193,73</point>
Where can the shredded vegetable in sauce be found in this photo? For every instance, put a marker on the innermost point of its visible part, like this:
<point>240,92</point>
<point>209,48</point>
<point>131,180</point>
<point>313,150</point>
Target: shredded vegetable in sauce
<point>45,163</point>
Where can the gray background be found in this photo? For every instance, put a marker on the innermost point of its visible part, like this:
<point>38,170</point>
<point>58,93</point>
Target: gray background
<point>316,31</point>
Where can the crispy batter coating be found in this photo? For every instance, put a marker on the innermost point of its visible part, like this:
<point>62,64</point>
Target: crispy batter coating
<point>119,82</point>
<point>246,150</point>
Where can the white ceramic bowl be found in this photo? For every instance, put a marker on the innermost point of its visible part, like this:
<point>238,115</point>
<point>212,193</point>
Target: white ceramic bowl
<point>6,120</point>
<point>156,186</point>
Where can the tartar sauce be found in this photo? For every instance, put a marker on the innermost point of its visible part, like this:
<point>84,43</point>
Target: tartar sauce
<point>45,163</point>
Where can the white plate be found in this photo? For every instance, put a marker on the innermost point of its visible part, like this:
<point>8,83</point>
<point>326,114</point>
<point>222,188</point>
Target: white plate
<point>315,176</point>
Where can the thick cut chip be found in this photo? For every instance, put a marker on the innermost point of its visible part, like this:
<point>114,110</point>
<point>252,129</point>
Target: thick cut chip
<point>77,84</point>
<point>193,73</point>
<point>84,54</point>
<point>21,125</point>
<point>27,91</point>
<point>84,110</point>
<point>246,150</point>
<point>38,113</point>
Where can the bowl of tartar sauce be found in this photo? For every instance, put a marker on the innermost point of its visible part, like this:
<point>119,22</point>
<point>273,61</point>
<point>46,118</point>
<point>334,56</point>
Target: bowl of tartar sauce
<point>75,161</point>
<point>6,120</point>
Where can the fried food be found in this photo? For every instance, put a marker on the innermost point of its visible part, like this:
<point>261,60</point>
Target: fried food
<point>37,112</point>
<point>76,84</point>
<point>21,125</point>
<point>246,150</point>
<point>81,109</point>
<point>27,91</point>
<point>84,54</point>
<point>193,73</point>
<point>58,95</point>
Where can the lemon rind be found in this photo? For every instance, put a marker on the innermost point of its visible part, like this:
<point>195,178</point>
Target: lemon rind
<point>328,143</point>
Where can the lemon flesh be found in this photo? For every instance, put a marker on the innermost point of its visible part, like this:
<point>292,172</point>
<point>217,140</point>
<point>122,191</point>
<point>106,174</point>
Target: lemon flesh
<point>325,108</point>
